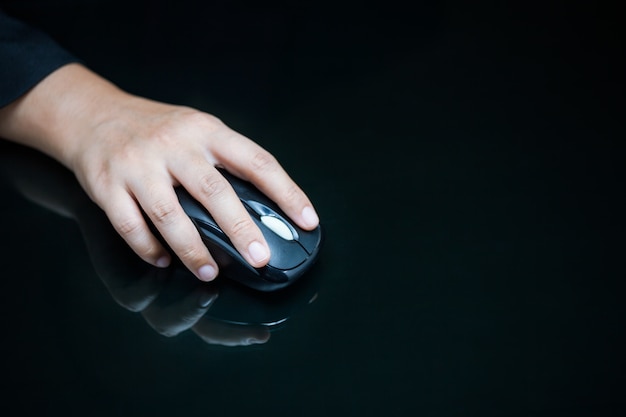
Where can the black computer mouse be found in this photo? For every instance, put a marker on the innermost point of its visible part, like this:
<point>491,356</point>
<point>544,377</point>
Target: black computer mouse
<point>293,250</point>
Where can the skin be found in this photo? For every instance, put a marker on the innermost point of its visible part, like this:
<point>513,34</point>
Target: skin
<point>129,153</point>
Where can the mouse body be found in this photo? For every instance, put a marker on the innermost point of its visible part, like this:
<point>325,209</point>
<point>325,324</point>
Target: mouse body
<point>293,250</point>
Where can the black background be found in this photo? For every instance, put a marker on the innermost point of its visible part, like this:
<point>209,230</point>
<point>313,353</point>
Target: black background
<point>466,161</point>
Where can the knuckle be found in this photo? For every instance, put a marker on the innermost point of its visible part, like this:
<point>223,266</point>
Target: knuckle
<point>129,226</point>
<point>191,254</point>
<point>129,154</point>
<point>292,194</point>
<point>211,186</point>
<point>162,212</point>
<point>134,231</point>
<point>95,175</point>
<point>263,161</point>
<point>206,119</point>
<point>163,135</point>
<point>241,227</point>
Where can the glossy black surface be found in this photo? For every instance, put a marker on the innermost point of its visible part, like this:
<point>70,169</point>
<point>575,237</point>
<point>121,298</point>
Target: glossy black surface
<point>291,256</point>
<point>466,161</point>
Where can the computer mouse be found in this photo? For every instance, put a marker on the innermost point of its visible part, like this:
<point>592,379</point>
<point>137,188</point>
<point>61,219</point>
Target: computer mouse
<point>293,250</point>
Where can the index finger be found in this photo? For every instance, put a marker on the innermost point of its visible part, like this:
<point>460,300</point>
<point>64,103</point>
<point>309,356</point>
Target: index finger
<point>249,161</point>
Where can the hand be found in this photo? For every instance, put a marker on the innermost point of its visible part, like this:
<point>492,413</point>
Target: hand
<point>129,153</point>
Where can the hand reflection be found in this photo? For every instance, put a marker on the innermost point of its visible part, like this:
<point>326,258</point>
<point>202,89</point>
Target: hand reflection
<point>170,300</point>
<point>181,303</point>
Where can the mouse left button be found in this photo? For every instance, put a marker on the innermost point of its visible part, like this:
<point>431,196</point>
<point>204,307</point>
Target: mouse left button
<point>311,240</point>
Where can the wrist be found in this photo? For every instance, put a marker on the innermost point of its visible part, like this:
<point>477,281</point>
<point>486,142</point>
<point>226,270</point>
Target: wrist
<point>58,113</point>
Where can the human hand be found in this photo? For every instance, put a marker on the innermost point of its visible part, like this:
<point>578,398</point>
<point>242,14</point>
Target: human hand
<point>129,153</point>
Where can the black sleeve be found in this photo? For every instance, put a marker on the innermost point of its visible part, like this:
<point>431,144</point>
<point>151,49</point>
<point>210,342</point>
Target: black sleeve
<point>27,55</point>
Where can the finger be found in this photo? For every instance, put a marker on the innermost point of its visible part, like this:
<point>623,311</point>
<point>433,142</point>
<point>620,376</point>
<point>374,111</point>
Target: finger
<point>128,221</point>
<point>249,161</point>
<point>159,202</point>
<point>227,334</point>
<point>214,192</point>
<point>175,318</point>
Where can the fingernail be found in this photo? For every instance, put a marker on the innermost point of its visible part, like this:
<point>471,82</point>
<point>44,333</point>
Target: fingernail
<point>258,252</point>
<point>310,217</point>
<point>261,336</point>
<point>206,299</point>
<point>207,272</point>
<point>163,262</point>
<point>252,341</point>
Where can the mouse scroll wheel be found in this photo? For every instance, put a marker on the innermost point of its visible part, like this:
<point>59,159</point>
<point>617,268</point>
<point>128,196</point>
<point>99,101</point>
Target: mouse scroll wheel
<point>277,226</point>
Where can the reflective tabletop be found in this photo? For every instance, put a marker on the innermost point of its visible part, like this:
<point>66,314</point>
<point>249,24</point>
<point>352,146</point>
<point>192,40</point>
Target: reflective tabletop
<point>467,166</point>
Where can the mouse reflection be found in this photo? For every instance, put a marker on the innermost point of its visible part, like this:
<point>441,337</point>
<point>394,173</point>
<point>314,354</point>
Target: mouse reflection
<point>170,300</point>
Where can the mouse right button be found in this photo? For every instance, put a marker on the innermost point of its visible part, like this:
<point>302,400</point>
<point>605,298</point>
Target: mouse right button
<point>285,254</point>
<point>310,240</point>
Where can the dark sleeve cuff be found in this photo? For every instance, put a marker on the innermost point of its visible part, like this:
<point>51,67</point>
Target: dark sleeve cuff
<point>27,56</point>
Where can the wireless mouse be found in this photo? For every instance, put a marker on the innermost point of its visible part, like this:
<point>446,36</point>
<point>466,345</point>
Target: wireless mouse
<point>293,250</point>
